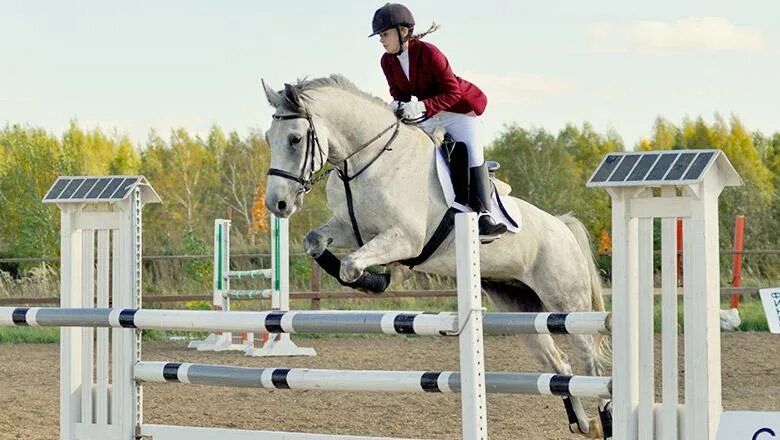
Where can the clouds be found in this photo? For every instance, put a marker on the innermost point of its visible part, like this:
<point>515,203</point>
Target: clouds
<point>520,87</point>
<point>686,36</point>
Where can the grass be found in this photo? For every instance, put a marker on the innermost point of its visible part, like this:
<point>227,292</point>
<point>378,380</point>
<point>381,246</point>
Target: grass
<point>29,335</point>
<point>752,313</point>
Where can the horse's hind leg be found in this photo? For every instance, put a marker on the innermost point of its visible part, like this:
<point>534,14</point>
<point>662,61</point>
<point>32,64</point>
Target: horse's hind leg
<point>589,357</point>
<point>545,349</point>
<point>515,296</point>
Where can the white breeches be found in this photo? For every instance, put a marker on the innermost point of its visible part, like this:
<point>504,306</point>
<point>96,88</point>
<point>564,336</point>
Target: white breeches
<point>462,128</point>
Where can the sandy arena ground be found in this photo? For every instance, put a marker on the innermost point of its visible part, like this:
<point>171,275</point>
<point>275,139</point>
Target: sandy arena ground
<point>29,390</point>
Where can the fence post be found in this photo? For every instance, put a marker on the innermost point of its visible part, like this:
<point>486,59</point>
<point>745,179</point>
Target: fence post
<point>736,262</point>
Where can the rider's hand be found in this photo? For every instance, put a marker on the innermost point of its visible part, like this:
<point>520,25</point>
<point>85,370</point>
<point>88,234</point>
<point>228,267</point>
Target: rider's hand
<point>394,106</point>
<point>412,110</point>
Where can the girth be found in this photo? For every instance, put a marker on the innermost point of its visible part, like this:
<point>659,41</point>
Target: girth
<point>446,225</point>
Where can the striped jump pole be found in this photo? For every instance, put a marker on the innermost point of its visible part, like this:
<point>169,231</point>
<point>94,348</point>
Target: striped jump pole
<point>369,380</point>
<point>311,322</point>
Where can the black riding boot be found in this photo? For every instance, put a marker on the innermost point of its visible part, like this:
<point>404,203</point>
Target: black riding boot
<point>459,168</point>
<point>480,190</point>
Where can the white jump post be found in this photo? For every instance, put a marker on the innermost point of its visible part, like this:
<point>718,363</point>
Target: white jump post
<point>472,350</point>
<point>222,341</point>
<point>102,213</point>
<point>276,344</point>
<point>666,185</point>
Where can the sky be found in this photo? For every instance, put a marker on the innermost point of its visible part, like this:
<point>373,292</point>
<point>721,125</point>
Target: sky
<point>128,67</point>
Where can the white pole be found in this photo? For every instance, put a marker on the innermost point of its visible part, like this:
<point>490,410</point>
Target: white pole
<point>102,358</point>
<point>625,309</point>
<point>645,422</point>
<point>702,313</point>
<point>280,267</point>
<point>88,335</point>
<point>305,321</point>
<point>365,380</point>
<point>472,360</point>
<point>70,339</point>
<point>218,274</point>
<point>669,368</point>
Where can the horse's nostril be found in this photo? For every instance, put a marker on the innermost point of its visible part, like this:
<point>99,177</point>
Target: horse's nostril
<point>281,205</point>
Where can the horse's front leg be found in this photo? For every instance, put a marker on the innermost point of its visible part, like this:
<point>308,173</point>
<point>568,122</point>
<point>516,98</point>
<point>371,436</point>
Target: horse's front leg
<point>333,232</point>
<point>387,247</point>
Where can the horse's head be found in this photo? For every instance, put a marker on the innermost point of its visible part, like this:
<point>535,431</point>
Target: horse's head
<point>299,148</point>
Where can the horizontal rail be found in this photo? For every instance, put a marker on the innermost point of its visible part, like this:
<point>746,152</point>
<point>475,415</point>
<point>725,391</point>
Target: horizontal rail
<point>369,380</point>
<point>244,274</point>
<point>312,322</point>
<point>248,294</point>
<point>302,254</point>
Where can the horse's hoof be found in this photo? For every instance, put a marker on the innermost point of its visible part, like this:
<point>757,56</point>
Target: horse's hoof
<point>349,272</point>
<point>594,429</point>
<point>315,244</point>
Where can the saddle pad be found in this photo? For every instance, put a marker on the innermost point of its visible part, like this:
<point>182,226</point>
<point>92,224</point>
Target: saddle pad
<point>509,215</point>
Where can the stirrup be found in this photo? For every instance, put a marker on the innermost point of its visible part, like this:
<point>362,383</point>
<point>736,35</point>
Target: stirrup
<point>487,238</point>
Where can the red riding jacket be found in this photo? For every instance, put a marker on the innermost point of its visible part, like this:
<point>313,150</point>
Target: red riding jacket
<point>431,80</point>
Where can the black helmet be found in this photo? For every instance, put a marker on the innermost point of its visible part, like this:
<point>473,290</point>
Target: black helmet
<point>391,15</point>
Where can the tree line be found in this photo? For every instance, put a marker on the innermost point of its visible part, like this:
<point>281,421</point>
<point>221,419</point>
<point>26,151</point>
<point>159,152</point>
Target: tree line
<point>200,178</point>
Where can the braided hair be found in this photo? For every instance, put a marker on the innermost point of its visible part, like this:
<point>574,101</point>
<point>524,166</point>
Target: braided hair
<point>434,27</point>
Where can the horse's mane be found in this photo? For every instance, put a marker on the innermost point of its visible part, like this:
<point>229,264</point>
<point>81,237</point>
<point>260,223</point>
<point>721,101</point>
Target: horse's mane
<point>294,93</point>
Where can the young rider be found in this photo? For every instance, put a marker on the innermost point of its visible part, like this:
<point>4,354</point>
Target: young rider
<point>425,89</point>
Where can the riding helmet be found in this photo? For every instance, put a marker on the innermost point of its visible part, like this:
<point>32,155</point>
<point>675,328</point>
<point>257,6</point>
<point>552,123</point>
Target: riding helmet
<point>389,16</point>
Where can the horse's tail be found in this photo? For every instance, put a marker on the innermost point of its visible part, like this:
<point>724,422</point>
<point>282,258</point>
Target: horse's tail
<point>603,342</point>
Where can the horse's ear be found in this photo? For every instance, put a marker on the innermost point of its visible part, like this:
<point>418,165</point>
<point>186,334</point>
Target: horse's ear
<point>274,98</point>
<point>292,96</point>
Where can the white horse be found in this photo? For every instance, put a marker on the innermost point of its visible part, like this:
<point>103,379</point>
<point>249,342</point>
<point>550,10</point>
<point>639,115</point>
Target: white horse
<point>398,203</point>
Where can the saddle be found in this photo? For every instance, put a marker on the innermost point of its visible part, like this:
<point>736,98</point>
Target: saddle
<point>453,154</point>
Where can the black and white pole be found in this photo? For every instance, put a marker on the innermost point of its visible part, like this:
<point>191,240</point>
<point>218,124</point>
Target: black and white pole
<point>472,359</point>
<point>310,321</point>
<point>369,380</point>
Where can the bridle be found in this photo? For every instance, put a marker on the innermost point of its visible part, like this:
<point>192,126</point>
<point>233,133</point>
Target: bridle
<point>312,142</point>
<point>307,176</point>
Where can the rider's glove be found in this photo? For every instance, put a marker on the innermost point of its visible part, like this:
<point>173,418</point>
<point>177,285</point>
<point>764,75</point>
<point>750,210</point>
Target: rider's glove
<point>412,110</point>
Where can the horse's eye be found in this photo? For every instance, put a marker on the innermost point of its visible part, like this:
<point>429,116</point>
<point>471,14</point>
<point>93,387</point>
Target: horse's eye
<point>295,139</point>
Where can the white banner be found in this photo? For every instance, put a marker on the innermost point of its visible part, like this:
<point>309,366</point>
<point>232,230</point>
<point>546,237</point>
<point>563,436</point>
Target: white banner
<point>771,299</point>
<point>745,425</point>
